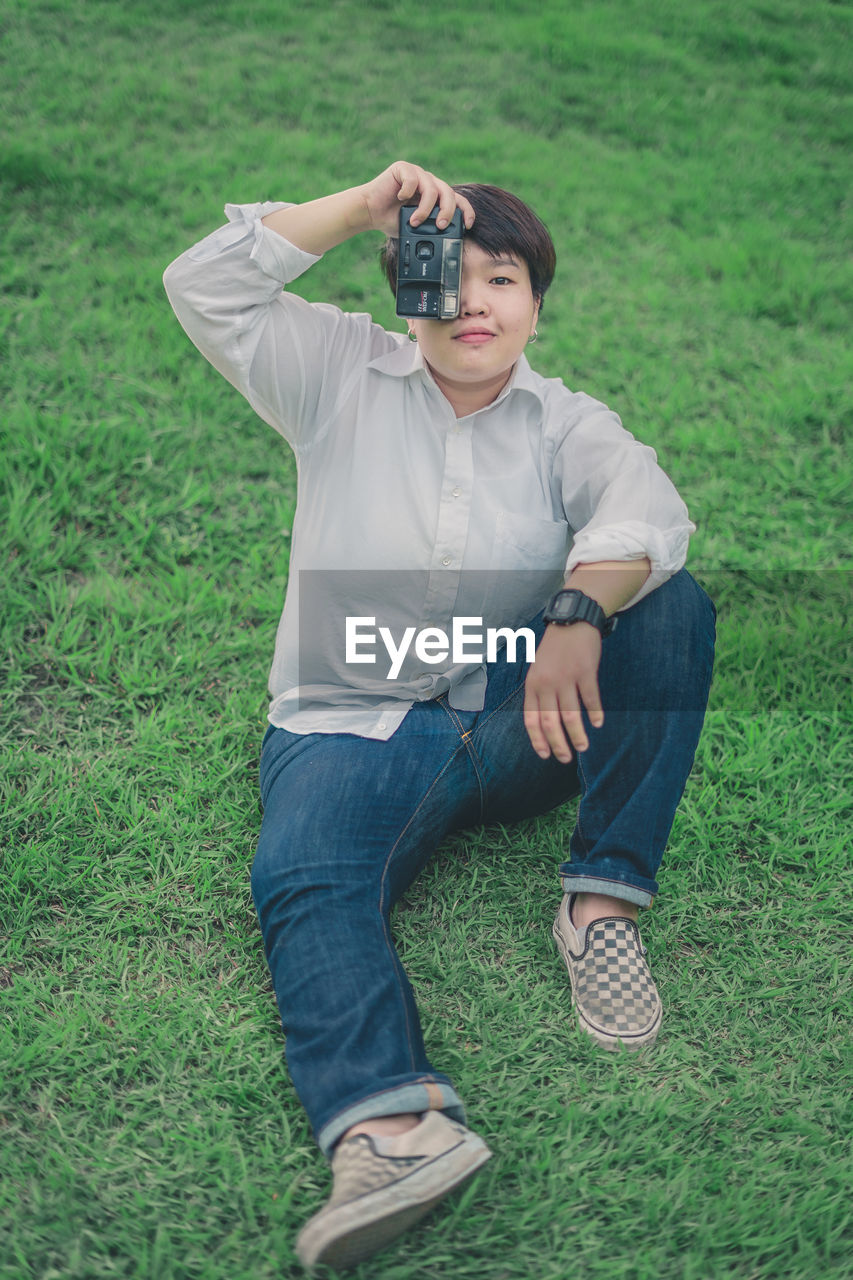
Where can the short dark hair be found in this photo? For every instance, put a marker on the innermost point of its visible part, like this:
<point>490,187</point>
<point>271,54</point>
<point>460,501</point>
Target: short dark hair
<point>504,224</point>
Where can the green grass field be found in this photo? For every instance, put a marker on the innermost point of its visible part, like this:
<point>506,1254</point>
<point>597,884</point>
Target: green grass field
<point>690,162</point>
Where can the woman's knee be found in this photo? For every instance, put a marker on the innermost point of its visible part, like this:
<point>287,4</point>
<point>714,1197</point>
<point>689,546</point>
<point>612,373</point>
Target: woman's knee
<point>694,618</point>
<point>317,857</point>
<point>666,643</point>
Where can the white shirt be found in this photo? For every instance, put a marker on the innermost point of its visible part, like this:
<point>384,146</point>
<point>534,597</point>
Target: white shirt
<point>405,513</point>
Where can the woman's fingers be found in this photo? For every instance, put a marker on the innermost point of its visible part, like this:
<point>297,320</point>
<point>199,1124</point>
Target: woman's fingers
<point>411,181</point>
<point>405,183</point>
<point>544,724</point>
<point>468,214</point>
<point>572,720</point>
<point>591,699</point>
<point>429,199</point>
<point>432,191</point>
<point>446,205</point>
<point>553,710</point>
<point>533,725</point>
<point>551,726</point>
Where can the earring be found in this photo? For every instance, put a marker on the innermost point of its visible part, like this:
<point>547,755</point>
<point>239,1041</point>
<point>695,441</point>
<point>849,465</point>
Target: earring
<point>413,337</point>
<point>534,335</point>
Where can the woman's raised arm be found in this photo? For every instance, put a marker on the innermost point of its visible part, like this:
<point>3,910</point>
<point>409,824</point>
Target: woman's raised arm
<point>320,224</point>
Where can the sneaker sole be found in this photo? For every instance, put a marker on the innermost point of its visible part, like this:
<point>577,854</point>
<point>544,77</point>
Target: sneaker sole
<point>642,1040</point>
<point>353,1232</point>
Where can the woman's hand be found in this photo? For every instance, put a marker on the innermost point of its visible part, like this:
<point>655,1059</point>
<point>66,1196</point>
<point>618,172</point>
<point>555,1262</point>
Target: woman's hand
<point>401,183</point>
<point>321,224</point>
<point>563,678</point>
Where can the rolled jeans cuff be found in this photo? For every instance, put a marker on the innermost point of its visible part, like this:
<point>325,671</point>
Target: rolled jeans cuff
<point>611,888</point>
<point>427,1095</point>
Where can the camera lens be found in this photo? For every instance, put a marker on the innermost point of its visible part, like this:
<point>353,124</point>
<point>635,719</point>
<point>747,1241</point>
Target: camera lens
<point>424,250</point>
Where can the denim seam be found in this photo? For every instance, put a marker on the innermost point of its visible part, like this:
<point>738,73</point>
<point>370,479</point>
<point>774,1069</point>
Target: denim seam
<point>472,750</point>
<point>584,789</point>
<point>465,736</point>
<point>383,885</point>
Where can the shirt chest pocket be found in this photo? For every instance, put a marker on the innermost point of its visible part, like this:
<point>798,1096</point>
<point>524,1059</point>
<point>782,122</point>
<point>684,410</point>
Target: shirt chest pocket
<point>522,542</point>
<point>526,566</point>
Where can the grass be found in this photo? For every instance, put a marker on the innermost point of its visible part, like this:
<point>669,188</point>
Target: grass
<point>690,163</point>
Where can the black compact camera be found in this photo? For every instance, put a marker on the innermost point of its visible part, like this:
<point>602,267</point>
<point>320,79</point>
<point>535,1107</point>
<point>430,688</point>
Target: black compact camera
<point>429,266</point>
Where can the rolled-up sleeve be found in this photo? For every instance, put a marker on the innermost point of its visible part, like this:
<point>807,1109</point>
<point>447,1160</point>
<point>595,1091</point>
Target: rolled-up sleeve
<point>291,359</point>
<point>619,502</point>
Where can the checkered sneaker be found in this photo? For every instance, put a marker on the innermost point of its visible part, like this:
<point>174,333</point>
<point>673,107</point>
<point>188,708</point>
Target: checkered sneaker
<point>613,992</point>
<point>359,1170</point>
<point>377,1196</point>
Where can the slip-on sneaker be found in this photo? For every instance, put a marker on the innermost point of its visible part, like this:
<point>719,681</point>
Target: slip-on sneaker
<point>613,992</point>
<point>375,1197</point>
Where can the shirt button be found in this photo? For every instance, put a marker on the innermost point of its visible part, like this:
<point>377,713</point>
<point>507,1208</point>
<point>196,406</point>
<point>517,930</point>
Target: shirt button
<point>446,560</point>
<point>381,725</point>
<point>456,492</point>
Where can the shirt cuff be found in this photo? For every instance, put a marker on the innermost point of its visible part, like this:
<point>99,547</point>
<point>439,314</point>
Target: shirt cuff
<point>666,550</point>
<point>275,255</point>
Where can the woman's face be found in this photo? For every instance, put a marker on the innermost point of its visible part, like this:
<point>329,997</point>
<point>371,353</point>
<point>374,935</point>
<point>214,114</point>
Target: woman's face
<point>477,351</point>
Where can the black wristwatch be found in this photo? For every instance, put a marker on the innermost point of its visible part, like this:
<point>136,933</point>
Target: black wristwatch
<point>570,605</point>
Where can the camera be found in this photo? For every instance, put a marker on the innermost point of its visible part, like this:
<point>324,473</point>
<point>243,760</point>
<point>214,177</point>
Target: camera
<point>429,266</point>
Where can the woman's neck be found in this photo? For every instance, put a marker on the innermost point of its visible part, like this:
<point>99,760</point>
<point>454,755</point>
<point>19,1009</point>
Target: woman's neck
<point>466,398</point>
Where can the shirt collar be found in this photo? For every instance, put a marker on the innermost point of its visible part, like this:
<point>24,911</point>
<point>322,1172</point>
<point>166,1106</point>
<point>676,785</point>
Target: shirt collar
<point>407,359</point>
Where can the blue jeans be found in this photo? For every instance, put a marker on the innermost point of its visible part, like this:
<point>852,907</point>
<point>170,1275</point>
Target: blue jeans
<point>349,822</point>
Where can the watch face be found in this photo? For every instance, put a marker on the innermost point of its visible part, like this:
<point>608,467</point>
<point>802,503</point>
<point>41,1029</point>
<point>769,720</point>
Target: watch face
<point>564,606</point>
<point>570,606</point>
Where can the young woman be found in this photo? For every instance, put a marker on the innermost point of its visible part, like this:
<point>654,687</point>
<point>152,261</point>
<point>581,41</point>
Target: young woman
<point>441,479</point>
